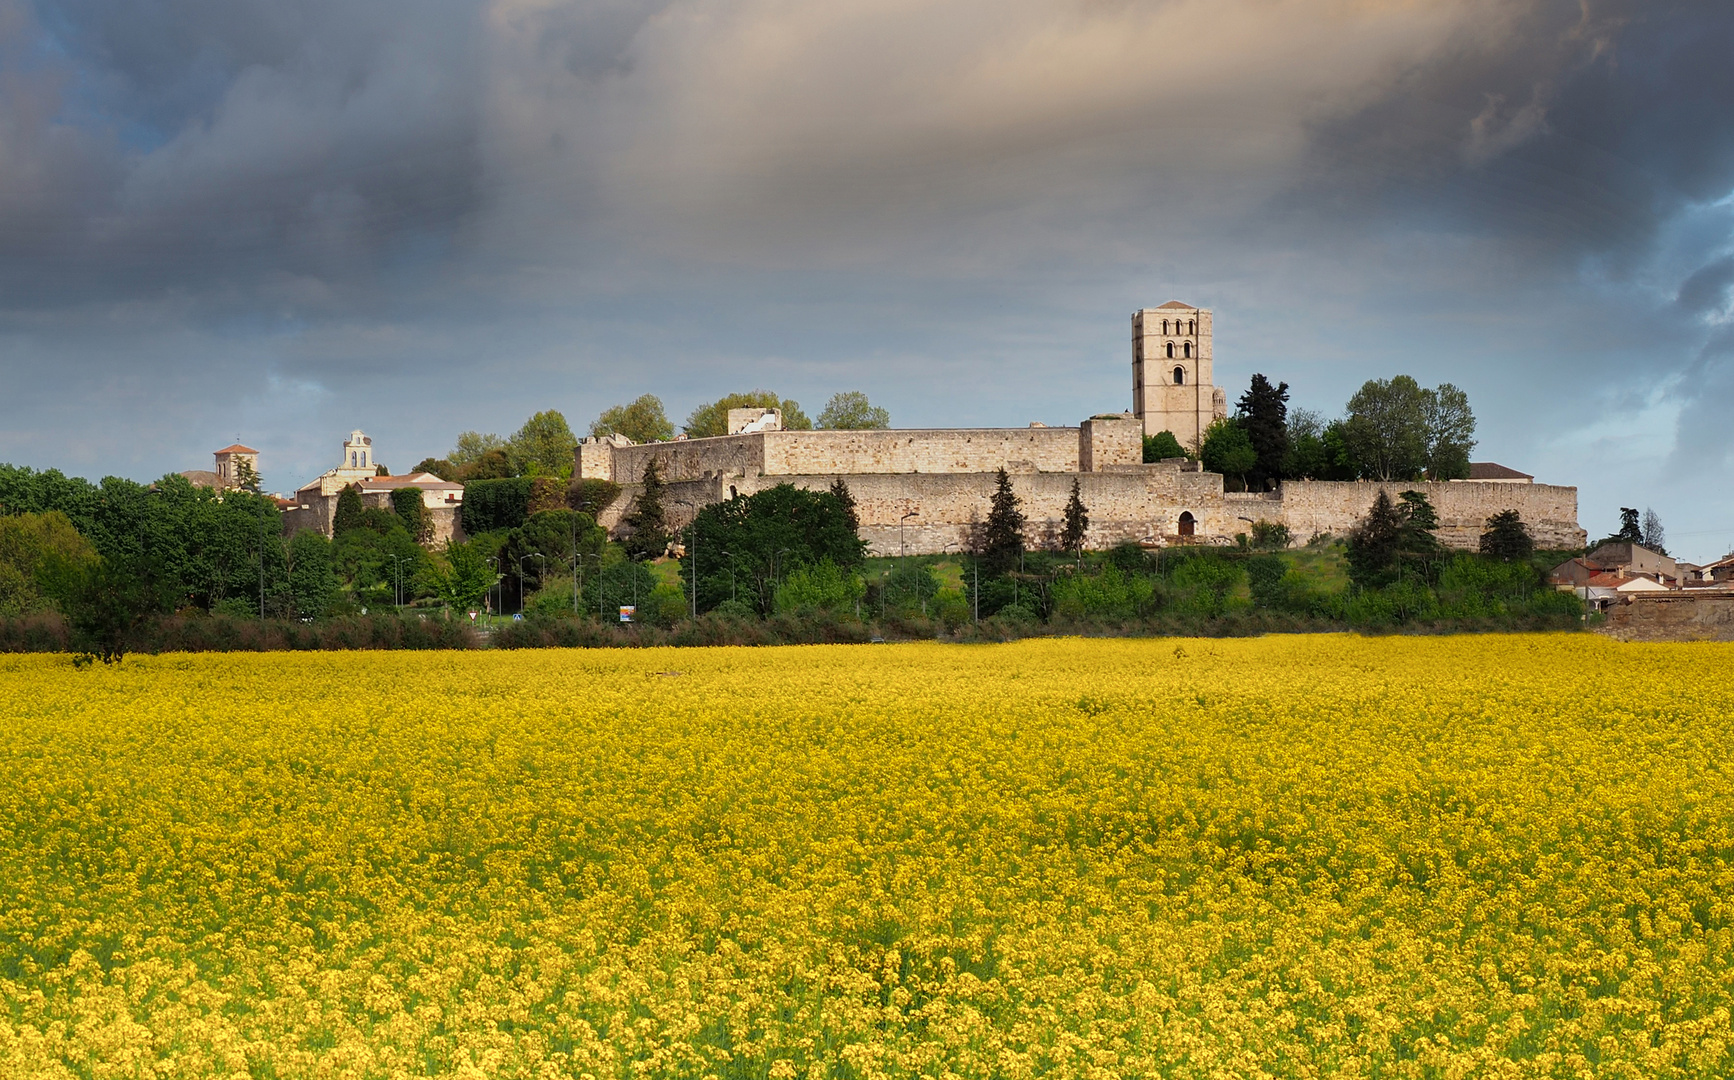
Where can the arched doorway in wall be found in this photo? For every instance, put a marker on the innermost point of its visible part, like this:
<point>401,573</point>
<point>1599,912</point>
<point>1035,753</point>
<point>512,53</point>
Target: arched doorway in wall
<point>1187,523</point>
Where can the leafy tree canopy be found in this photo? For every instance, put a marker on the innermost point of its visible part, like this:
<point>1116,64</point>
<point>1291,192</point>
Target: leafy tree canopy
<point>742,547</point>
<point>472,446</point>
<point>851,411</point>
<point>713,419</point>
<point>643,420</point>
<point>1161,446</point>
<point>544,446</point>
<point>1226,449</point>
<point>27,543</point>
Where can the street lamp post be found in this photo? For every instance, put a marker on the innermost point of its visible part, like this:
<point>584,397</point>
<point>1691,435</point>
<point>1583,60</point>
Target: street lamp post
<point>731,557</point>
<point>693,551</point>
<point>493,561</point>
<point>902,544</point>
<point>599,596</point>
<point>397,583</point>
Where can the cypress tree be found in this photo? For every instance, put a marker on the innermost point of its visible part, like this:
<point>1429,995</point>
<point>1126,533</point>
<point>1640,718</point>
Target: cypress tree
<point>1077,521</point>
<point>1375,542</point>
<point>847,498</point>
<point>646,519</point>
<point>349,511</point>
<point>1507,538</point>
<point>1003,537</point>
<point>1264,416</point>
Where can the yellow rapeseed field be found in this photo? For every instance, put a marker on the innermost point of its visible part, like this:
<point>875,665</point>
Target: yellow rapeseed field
<point>1300,857</point>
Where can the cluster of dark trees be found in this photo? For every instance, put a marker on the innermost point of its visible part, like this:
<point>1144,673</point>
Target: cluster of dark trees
<point>1392,429</point>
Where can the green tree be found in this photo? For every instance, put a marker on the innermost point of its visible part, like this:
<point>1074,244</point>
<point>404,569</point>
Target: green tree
<point>1002,537</point>
<point>347,516</point>
<point>1077,523</point>
<point>247,478</point>
<point>1386,428</point>
<point>642,421</point>
<point>591,495</point>
<point>465,579</point>
<point>27,543</point>
<point>107,602</point>
<point>1450,428</point>
<point>823,587</point>
<point>1375,543</point>
<point>1227,449</point>
<point>407,503</point>
<point>851,411</point>
<point>1507,538</point>
<point>1161,446</point>
<point>1418,546</point>
<point>1630,531</point>
<point>647,522</point>
<point>441,468</point>
<point>1263,415</point>
<point>544,446</point>
<point>840,491</point>
<point>472,446</point>
<point>742,548</point>
<point>711,420</point>
<point>313,582</point>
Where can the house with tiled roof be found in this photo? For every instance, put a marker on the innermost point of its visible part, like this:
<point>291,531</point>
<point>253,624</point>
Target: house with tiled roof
<point>315,505</point>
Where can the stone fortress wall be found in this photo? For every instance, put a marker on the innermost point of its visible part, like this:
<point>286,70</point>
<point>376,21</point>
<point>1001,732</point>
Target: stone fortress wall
<point>928,491</point>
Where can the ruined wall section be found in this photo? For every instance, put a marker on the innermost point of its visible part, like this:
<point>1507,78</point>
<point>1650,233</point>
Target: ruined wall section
<point>1309,507</point>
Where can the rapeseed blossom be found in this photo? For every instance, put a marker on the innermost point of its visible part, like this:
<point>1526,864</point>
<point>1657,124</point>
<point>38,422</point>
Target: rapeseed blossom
<point>1287,857</point>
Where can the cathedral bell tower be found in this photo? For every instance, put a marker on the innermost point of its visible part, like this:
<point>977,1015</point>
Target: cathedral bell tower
<point>1171,377</point>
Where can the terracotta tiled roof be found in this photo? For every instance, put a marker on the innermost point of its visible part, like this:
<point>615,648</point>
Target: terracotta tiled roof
<point>237,449</point>
<point>203,477</point>
<point>420,480</point>
<point>1489,470</point>
<point>1174,304</point>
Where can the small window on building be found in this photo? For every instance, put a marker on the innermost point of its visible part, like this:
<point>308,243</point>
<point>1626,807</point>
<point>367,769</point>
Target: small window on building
<point>1188,350</point>
<point>1170,350</point>
<point>1192,327</point>
<point>1179,376</point>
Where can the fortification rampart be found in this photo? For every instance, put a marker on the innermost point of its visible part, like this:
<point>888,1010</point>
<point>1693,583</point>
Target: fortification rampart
<point>1145,505</point>
<point>1309,507</point>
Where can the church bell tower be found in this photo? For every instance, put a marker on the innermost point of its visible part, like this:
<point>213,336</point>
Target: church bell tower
<point>1172,389</point>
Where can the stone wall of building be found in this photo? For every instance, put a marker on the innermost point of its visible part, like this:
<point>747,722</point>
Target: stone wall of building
<point>806,453</point>
<point>1142,504</point>
<point>1309,507</point>
<point>319,513</point>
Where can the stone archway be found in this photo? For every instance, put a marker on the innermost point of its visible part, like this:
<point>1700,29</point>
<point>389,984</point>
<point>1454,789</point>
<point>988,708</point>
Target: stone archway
<point>1188,524</point>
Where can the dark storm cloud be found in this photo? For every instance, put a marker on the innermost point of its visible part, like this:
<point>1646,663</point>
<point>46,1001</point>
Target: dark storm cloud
<point>291,212</point>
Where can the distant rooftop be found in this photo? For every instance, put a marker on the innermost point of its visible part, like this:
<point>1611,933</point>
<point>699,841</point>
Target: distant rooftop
<point>1492,470</point>
<point>1176,304</point>
<point>237,449</point>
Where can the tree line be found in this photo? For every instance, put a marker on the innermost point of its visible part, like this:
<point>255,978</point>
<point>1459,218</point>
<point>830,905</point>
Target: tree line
<point>1391,430</point>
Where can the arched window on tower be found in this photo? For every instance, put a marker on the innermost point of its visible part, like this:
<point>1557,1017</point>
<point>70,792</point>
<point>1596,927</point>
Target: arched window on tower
<point>1179,376</point>
<point>1164,326</point>
<point>1188,350</point>
<point>1193,327</point>
<point>1170,350</point>
<point>352,459</point>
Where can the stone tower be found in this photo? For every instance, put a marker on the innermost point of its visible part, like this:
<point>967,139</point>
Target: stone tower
<point>1171,377</point>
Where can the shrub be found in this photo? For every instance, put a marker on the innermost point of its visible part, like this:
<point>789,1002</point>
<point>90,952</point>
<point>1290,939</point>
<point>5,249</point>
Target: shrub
<point>824,587</point>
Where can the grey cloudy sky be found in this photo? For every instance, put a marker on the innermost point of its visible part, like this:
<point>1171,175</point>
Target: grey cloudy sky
<point>283,220</point>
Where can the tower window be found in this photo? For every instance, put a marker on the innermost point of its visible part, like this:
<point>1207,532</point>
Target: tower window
<point>1194,327</point>
<point>1179,376</point>
<point>1189,350</point>
<point>1164,326</point>
<point>1170,350</point>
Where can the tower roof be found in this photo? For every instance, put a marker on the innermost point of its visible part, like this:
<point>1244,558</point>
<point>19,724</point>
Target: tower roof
<point>1176,304</point>
<point>236,449</point>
